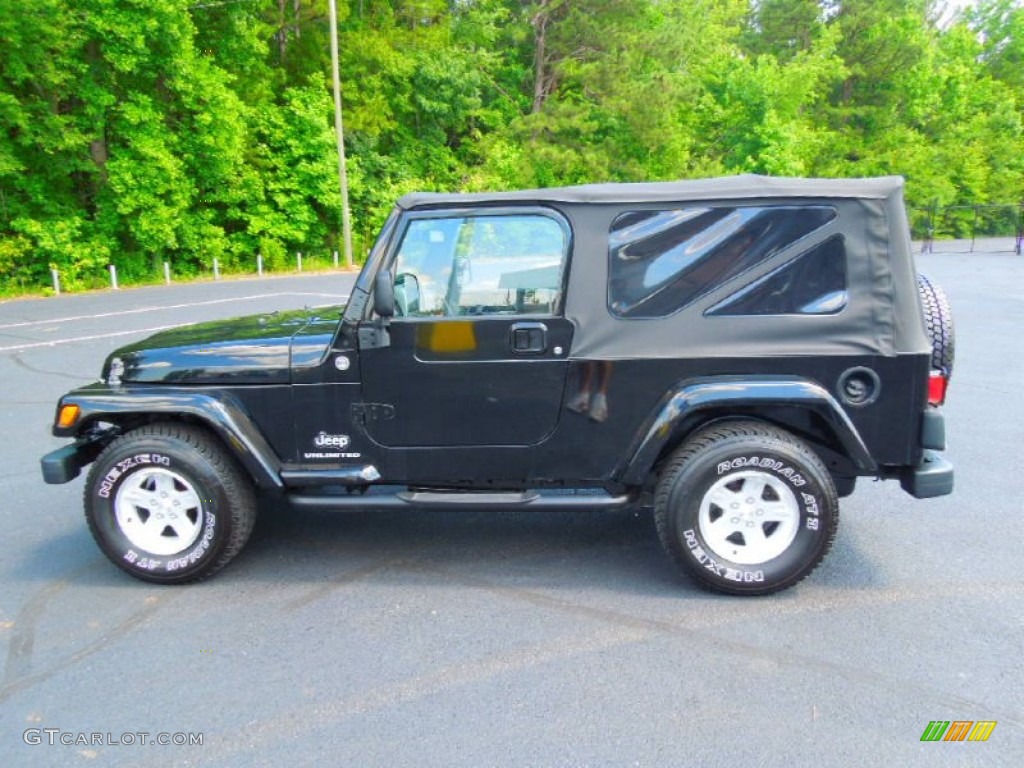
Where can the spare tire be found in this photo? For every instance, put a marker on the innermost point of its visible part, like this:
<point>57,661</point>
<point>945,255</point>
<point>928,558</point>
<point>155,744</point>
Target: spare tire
<point>938,323</point>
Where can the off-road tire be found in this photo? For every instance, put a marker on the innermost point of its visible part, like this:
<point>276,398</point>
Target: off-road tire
<point>938,322</point>
<point>182,475</point>
<point>719,462</point>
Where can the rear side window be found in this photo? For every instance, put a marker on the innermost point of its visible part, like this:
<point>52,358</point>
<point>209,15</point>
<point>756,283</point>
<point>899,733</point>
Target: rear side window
<point>814,283</point>
<point>660,261</point>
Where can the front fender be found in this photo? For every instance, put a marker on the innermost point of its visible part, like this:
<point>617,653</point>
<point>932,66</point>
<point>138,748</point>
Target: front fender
<point>218,411</point>
<point>737,395</point>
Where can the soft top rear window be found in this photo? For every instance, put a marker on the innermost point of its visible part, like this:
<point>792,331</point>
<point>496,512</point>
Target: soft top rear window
<point>660,261</point>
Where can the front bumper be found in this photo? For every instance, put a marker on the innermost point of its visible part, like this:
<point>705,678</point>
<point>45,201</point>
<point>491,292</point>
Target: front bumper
<point>65,464</point>
<point>932,477</point>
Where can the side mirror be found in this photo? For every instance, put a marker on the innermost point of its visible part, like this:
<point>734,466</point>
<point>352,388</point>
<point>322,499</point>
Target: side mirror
<point>384,294</point>
<point>407,294</point>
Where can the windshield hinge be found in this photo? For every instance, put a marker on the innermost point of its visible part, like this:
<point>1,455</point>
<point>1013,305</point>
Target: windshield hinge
<point>364,412</point>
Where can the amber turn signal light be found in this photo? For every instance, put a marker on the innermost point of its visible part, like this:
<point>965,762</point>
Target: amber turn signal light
<point>68,415</point>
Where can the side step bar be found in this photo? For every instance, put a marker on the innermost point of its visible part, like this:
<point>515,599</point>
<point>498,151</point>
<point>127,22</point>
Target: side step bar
<point>468,500</point>
<point>299,478</point>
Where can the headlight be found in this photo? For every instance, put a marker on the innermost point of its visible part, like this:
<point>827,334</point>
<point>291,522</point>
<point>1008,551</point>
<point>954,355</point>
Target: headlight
<point>116,372</point>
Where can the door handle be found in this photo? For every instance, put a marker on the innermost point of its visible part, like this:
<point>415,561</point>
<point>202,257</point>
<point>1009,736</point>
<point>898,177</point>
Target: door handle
<point>528,338</point>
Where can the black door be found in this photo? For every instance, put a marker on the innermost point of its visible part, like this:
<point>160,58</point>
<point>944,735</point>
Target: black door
<point>477,350</point>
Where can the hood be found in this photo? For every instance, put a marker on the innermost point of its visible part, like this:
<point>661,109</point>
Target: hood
<point>256,349</point>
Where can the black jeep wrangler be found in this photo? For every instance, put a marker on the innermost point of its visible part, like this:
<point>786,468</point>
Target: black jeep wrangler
<point>734,352</point>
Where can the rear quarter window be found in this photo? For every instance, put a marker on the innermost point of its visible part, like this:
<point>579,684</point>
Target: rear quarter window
<point>661,261</point>
<point>814,283</point>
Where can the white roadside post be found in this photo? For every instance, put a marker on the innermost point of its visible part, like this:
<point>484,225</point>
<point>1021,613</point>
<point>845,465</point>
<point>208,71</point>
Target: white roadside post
<point>259,264</point>
<point>167,272</point>
<point>339,131</point>
<point>56,281</point>
<point>335,259</point>
<point>113,277</point>
<point>216,269</point>
<point>298,260</point>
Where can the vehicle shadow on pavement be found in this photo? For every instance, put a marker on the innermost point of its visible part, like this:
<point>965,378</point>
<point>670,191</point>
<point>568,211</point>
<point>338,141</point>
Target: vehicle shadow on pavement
<point>615,551</point>
<point>612,549</point>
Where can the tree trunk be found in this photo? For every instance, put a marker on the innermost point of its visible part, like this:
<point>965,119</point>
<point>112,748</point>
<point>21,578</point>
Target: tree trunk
<point>282,31</point>
<point>540,28</point>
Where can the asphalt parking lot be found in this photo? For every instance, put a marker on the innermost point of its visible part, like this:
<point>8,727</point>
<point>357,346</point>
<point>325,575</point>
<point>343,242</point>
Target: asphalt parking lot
<point>512,639</point>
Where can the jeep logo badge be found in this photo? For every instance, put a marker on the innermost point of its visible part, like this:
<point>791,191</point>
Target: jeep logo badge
<point>323,440</point>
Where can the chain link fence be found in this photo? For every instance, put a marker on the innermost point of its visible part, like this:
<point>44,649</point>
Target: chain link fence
<point>958,228</point>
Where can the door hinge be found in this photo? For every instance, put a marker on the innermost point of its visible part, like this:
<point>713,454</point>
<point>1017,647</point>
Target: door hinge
<point>364,412</point>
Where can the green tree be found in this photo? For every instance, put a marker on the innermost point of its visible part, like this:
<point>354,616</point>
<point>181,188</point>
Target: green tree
<point>138,131</point>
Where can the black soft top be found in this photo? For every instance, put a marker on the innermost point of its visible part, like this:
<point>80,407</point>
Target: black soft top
<point>882,316</point>
<point>725,188</point>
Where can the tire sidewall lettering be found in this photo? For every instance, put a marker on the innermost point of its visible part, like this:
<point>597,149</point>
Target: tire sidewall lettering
<point>732,571</point>
<point>124,466</point>
<point>781,468</point>
<point>199,550</point>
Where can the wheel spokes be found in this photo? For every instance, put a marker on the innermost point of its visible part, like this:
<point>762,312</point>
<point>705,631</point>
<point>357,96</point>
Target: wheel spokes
<point>749,517</point>
<point>185,500</point>
<point>754,488</point>
<point>163,484</point>
<point>159,511</point>
<point>720,535</point>
<point>139,498</point>
<point>775,512</point>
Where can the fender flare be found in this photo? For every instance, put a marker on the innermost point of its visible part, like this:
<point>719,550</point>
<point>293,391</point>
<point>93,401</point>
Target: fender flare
<point>728,393</point>
<point>221,413</point>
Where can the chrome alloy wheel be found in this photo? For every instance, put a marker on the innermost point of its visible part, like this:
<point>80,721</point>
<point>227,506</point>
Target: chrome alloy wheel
<point>749,517</point>
<point>159,511</point>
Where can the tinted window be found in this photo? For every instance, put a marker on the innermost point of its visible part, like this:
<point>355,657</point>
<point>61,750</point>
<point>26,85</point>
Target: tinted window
<point>813,283</point>
<point>480,265</point>
<point>663,260</point>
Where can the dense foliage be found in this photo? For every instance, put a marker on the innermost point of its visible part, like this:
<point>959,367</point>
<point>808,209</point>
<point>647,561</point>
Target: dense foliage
<point>138,131</point>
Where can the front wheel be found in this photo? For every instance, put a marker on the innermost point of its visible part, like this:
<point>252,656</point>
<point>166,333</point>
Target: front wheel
<point>746,508</point>
<point>167,504</point>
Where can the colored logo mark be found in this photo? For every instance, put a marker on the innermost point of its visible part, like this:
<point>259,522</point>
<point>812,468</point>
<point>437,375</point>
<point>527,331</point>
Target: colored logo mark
<point>958,730</point>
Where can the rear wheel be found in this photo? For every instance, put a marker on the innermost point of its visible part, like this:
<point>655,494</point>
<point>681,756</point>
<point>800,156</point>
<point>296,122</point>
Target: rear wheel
<point>167,504</point>
<point>745,508</point>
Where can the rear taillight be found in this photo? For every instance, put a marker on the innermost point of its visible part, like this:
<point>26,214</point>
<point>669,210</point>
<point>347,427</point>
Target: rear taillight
<point>937,384</point>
